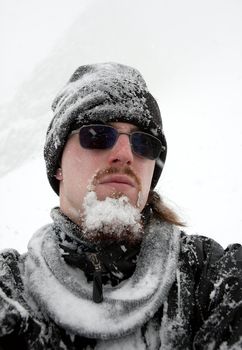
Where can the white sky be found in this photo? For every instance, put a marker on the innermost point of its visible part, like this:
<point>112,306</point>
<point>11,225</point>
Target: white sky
<point>190,53</point>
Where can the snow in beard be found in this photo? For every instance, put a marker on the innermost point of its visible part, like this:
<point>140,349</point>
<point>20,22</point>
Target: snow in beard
<point>112,217</point>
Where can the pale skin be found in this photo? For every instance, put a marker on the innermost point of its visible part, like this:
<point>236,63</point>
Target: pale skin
<point>79,166</point>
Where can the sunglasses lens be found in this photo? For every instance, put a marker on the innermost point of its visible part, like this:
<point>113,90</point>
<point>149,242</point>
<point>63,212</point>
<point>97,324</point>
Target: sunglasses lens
<point>97,136</point>
<point>146,145</point>
<point>105,136</point>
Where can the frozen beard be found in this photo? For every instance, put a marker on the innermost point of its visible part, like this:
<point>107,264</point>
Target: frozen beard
<point>111,219</point>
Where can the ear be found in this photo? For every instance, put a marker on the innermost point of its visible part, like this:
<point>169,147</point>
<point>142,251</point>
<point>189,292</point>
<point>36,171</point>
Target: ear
<point>58,174</point>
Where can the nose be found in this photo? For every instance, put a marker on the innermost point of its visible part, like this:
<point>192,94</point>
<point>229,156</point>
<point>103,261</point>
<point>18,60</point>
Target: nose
<point>121,153</point>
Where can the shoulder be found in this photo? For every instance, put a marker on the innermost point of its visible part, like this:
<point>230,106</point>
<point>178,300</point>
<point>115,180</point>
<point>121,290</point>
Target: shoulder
<point>217,272</point>
<point>11,290</point>
<point>218,288</point>
<point>10,261</point>
<point>206,251</point>
<point>200,249</point>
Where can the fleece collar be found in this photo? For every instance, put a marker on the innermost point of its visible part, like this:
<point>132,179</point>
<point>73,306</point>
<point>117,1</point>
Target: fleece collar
<point>65,295</point>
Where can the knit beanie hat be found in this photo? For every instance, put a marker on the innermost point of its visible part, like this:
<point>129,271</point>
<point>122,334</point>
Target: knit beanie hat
<point>104,92</point>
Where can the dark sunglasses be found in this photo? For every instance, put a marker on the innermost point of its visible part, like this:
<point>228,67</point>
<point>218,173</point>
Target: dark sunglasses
<point>98,136</point>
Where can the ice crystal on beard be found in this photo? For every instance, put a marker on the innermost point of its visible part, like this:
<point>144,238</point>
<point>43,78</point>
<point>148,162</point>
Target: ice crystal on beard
<point>111,216</point>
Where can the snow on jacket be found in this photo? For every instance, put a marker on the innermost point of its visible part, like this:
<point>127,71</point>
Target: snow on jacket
<point>185,293</point>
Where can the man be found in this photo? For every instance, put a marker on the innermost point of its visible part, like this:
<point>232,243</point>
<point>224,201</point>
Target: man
<point>113,270</point>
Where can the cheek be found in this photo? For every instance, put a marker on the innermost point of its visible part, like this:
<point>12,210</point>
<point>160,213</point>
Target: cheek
<point>80,167</point>
<point>146,173</point>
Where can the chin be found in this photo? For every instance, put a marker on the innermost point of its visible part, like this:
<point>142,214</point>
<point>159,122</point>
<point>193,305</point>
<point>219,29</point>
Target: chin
<point>116,194</point>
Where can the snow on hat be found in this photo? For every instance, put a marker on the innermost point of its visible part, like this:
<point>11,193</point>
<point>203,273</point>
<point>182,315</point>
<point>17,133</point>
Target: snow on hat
<point>107,92</point>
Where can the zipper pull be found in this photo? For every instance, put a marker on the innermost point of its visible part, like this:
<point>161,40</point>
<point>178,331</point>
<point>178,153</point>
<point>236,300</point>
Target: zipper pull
<point>97,294</point>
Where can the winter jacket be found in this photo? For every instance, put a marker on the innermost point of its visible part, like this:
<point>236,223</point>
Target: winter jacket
<point>185,292</point>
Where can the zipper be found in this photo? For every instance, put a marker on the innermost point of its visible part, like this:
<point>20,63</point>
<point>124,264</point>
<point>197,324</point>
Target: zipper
<point>97,292</point>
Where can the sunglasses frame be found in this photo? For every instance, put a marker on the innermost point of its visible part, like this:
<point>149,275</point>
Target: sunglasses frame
<point>162,147</point>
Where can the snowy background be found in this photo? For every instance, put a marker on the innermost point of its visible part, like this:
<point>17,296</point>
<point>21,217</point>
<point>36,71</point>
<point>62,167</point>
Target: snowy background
<point>190,53</point>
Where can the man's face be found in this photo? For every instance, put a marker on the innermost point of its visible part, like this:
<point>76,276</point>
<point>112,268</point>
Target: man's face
<point>110,173</point>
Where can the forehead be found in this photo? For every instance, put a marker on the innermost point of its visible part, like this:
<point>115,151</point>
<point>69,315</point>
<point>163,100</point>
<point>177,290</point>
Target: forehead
<point>123,126</point>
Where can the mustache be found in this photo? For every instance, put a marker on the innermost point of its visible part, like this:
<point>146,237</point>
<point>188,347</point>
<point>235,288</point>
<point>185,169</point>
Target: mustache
<point>113,170</point>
